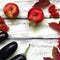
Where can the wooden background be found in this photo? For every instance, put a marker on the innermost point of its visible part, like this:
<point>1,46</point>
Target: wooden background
<point>42,39</point>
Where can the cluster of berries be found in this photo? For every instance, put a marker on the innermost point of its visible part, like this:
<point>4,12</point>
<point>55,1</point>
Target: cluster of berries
<point>53,11</point>
<point>3,26</point>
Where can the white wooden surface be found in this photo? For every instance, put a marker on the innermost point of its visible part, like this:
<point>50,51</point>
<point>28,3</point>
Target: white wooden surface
<point>20,29</point>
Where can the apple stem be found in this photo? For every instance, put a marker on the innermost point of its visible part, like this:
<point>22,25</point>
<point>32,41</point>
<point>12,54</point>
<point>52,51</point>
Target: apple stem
<point>26,51</point>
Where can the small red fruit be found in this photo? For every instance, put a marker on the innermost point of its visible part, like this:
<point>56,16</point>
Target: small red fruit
<point>42,3</point>
<point>52,8</point>
<point>3,26</point>
<point>55,15</point>
<point>11,10</point>
<point>53,12</point>
<point>35,15</point>
<point>1,20</point>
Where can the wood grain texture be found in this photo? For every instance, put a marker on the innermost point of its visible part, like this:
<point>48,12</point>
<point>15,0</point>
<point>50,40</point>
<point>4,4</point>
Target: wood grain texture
<point>20,28</point>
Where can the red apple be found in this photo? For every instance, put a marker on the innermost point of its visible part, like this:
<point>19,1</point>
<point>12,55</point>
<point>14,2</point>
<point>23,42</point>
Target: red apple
<point>35,15</point>
<point>11,10</point>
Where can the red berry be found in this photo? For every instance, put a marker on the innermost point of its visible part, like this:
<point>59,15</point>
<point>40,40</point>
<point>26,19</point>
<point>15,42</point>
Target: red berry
<point>55,15</point>
<point>3,26</point>
<point>52,8</point>
<point>1,20</point>
<point>53,12</point>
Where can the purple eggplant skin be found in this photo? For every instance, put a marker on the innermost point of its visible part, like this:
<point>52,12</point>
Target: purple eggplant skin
<point>3,36</point>
<point>22,56</point>
<point>8,50</point>
<point>19,57</point>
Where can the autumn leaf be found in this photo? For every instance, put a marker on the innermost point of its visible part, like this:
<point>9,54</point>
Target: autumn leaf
<point>55,54</point>
<point>42,3</point>
<point>55,26</point>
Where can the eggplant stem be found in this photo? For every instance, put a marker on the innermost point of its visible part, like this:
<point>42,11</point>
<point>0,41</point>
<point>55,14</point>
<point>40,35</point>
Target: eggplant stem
<point>26,51</point>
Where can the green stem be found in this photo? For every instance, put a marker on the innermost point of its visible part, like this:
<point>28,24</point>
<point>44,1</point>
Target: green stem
<point>33,24</point>
<point>26,51</point>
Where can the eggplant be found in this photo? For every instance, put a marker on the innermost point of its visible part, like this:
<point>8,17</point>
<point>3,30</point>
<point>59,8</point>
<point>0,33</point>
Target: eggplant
<point>21,56</point>
<point>8,50</point>
<point>3,36</point>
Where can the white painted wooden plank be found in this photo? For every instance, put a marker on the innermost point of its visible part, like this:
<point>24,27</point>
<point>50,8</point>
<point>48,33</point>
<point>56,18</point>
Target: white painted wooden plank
<point>38,50</point>
<point>20,28</point>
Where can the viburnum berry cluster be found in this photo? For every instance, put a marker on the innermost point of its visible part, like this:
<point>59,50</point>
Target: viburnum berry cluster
<point>53,11</point>
<point>3,26</point>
